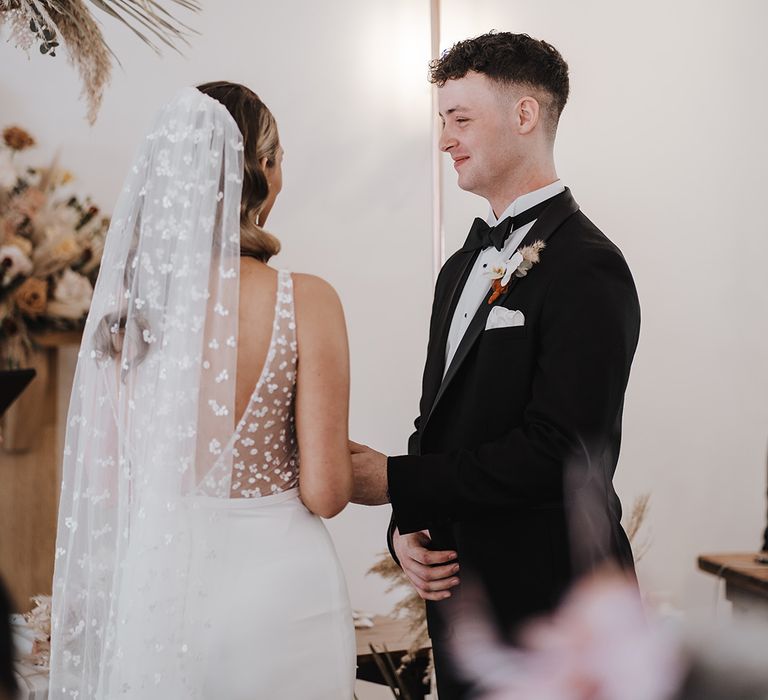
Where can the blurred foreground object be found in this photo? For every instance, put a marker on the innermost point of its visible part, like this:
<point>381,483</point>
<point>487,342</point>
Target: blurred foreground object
<point>600,645</point>
<point>48,23</point>
<point>597,646</point>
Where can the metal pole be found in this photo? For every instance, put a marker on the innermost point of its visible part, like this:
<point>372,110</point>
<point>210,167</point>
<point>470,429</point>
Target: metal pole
<point>438,235</point>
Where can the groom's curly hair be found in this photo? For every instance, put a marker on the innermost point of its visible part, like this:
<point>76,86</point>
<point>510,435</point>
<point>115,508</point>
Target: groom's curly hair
<point>509,59</point>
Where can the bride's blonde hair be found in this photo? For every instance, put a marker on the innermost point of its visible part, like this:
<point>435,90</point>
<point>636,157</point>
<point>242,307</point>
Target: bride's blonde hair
<point>260,140</point>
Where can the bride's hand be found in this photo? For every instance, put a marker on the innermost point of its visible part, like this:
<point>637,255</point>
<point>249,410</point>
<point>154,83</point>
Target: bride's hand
<point>369,469</point>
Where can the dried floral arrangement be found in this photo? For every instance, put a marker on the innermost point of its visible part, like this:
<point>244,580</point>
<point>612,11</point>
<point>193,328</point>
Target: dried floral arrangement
<point>39,621</point>
<point>51,243</point>
<point>50,23</point>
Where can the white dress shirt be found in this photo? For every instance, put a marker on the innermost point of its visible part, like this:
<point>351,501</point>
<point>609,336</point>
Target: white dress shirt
<point>479,283</point>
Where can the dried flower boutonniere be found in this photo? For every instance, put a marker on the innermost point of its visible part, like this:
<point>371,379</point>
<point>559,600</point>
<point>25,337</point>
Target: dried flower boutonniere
<point>518,265</point>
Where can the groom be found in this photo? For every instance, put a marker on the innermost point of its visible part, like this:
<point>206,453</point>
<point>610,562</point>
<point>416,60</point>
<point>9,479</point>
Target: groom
<point>534,325</point>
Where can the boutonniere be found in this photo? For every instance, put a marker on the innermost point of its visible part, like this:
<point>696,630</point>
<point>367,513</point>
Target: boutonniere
<point>518,265</point>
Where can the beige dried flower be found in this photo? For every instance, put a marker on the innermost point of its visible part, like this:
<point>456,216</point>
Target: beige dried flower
<point>13,262</point>
<point>39,622</point>
<point>58,253</point>
<point>17,139</point>
<point>531,256</point>
<point>23,244</point>
<point>29,202</point>
<point>32,297</point>
<point>71,296</point>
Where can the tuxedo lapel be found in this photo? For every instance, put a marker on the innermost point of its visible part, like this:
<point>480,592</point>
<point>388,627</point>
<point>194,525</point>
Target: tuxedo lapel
<point>562,206</point>
<point>435,363</point>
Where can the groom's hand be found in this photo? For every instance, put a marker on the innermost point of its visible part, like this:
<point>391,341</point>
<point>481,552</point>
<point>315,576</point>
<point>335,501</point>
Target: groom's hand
<point>369,469</point>
<point>431,573</point>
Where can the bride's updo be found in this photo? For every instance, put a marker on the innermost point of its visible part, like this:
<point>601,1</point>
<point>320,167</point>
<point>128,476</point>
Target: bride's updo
<point>260,140</point>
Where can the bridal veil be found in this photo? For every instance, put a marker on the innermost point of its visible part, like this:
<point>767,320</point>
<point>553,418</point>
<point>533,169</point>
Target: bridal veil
<point>151,416</point>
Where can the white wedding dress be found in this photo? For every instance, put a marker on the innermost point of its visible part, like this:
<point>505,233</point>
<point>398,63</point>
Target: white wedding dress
<point>267,613</point>
<point>186,564</point>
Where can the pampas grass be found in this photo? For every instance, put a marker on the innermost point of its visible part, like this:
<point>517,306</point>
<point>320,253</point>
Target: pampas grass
<point>637,517</point>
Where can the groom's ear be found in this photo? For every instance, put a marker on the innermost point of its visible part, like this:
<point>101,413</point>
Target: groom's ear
<point>527,113</point>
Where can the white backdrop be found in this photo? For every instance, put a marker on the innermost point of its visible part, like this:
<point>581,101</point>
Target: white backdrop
<point>661,143</point>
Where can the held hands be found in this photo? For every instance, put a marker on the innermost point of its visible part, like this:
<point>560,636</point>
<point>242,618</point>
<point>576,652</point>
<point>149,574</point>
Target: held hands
<point>433,574</point>
<point>369,469</point>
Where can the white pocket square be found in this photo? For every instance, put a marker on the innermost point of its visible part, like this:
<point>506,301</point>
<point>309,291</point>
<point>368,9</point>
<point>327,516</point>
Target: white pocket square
<point>504,318</point>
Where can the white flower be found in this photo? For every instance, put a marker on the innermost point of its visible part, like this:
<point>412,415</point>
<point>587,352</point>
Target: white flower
<point>57,221</point>
<point>71,297</point>
<point>497,270</point>
<point>13,263</point>
<point>504,269</point>
<point>512,265</point>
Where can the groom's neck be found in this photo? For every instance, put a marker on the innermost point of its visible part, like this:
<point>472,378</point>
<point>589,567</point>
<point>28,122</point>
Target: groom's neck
<point>522,181</point>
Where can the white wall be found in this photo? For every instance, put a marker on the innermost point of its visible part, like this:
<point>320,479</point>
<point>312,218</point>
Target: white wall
<point>346,82</point>
<point>663,145</point>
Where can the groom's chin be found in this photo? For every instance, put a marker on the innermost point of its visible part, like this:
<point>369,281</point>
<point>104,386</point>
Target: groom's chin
<point>463,184</point>
<point>467,183</point>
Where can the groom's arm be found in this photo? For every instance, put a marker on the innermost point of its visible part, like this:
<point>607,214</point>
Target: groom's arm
<point>589,330</point>
<point>413,449</point>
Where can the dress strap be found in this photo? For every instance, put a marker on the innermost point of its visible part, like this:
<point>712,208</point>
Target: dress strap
<point>285,317</point>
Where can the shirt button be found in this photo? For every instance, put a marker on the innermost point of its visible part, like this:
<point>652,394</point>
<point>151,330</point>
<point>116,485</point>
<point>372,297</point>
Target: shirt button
<point>465,315</point>
<point>485,264</point>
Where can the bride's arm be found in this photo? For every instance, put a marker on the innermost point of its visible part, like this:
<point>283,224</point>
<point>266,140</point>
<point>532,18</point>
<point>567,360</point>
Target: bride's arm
<point>322,397</point>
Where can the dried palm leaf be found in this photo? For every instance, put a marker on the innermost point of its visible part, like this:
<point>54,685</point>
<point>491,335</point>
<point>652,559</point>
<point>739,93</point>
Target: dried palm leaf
<point>152,16</point>
<point>72,21</point>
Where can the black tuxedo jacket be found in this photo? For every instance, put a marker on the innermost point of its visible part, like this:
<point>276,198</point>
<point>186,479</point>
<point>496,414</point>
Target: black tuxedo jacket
<point>516,444</point>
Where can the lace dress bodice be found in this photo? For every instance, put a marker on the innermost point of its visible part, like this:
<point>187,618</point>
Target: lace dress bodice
<point>265,454</point>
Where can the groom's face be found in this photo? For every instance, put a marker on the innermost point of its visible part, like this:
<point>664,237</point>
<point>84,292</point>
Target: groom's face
<point>477,132</point>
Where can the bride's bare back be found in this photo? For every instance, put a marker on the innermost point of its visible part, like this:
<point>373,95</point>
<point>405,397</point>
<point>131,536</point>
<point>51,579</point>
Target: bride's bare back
<point>285,402</point>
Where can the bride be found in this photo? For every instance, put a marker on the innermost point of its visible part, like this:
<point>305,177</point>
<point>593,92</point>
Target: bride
<point>190,558</point>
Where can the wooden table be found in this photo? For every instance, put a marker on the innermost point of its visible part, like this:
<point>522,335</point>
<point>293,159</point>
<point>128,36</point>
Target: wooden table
<point>30,473</point>
<point>396,636</point>
<point>746,582</point>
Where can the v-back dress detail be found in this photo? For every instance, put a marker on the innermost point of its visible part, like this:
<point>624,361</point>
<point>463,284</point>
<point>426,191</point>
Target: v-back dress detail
<point>265,453</point>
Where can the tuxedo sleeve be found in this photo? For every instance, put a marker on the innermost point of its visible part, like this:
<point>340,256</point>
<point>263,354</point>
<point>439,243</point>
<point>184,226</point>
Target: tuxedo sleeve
<point>589,327</point>
<point>413,442</point>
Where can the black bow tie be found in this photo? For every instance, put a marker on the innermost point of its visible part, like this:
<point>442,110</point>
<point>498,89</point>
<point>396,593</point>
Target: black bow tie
<point>481,235</point>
